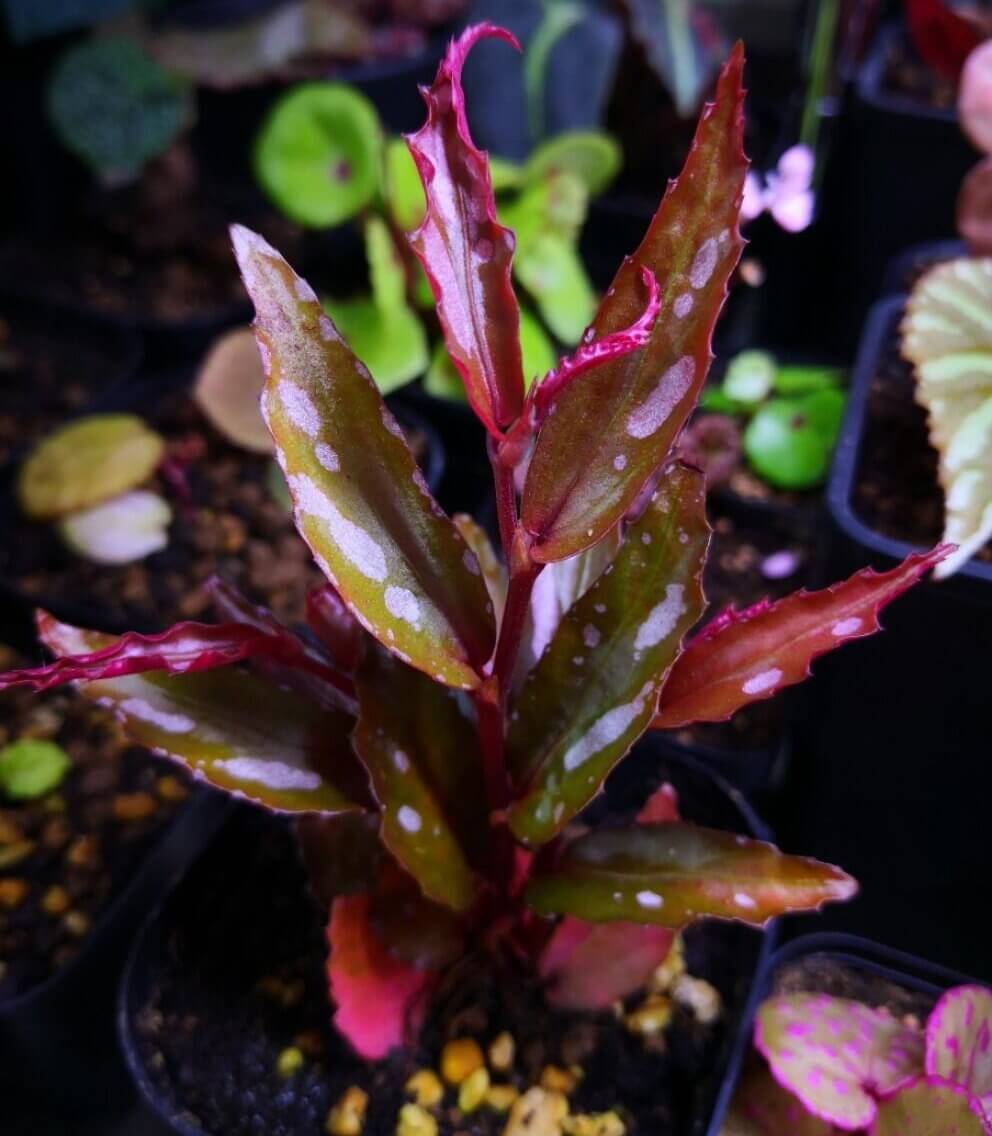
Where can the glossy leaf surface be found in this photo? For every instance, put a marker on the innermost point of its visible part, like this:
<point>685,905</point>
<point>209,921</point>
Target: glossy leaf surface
<point>493,569</point>
<point>947,335</point>
<point>959,1041</point>
<point>930,1107</point>
<point>613,428</point>
<point>670,874</point>
<point>377,995</point>
<point>591,965</point>
<point>741,657</point>
<point>235,731</point>
<point>183,649</point>
<point>836,1055</point>
<point>463,248</point>
<point>595,688</point>
<point>422,753</point>
<point>361,502</point>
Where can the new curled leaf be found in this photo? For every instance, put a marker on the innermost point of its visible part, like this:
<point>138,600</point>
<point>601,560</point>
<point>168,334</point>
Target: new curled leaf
<point>745,656</point>
<point>361,502</point>
<point>235,731</point>
<point>595,688</point>
<point>671,874</point>
<point>465,252</point>
<point>183,649</point>
<point>611,429</point>
<point>421,752</point>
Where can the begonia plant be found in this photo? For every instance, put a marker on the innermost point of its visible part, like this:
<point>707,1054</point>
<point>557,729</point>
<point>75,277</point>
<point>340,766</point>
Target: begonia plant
<point>837,1065</point>
<point>448,708</point>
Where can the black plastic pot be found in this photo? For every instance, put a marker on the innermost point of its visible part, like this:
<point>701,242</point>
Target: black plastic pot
<point>906,165</point>
<point>903,271</point>
<point>741,947</point>
<point>860,955</point>
<point>141,396</point>
<point>891,780</point>
<point>60,1070</point>
<point>975,577</point>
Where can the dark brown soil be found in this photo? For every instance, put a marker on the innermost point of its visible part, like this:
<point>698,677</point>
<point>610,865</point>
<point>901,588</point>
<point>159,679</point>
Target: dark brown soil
<point>821,974</point>
<point>234,527</point>
<point>64,856</point>
<point>44,378</point>
<point>156,254</point>
<point>737,573</point>
<point>896,491</point>
<point>214,1022</point>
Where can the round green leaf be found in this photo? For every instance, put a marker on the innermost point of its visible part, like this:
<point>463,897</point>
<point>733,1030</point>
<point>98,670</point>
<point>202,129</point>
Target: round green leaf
<point>536,349</point>
<point>789,441</point>
<point>87,462</point>
<point>31,768</point>
<point>404,191</point>
<point>505,174</point>
<point>318,153</point>
<point>591,155</point>
<point>805,380</point>
<point>750,377</point>
<point>393,345</point>
<point>552,271</point>
<point>115,107</point>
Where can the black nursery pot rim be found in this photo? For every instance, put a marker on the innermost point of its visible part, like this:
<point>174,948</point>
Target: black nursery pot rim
<point>145,947</point>
<point>973,577</point>
<point>899,967</point>
<point>161,866</point>
<point>872,73</point>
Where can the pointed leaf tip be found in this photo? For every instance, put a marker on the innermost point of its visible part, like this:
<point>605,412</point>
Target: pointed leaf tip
<point>465,252</point>
<point>361,501</point>
<point>751,655</point>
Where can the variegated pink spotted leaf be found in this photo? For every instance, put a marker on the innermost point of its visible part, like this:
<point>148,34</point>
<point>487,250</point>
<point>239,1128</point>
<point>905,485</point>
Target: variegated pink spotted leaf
<point>837,1055</point>
<point>422,753</point>
<point>746,656</point>
<point>465,252</point>
<point>761,1107</point>
<point>361,501</point>
<point>379,999</point>
<point>959,1041</point>
<point>595,689</point>
<point>590,965</point>
<point>233,730</point>
<point>613,427</point>
<point>671,874</point>
<point>183,649</point>
<point>930,1106</point>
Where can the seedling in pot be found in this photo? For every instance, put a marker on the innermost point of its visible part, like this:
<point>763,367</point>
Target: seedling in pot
<point>856,1068</point>
<point>414,705</point>
<point>792,415</point>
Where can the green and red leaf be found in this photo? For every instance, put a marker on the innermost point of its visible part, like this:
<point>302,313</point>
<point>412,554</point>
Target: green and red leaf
<point>184,648</point>
<point>235,731</point>
<point>329,618</point>
<point>420,747</point>
<point>379,998</point>
<point>595,688</point>
<point>761,1107</point>
<point>671,874</point>
<point>361,501</point>
<point>745,656</point>
<point>613,427</point>
<point>465,252</point>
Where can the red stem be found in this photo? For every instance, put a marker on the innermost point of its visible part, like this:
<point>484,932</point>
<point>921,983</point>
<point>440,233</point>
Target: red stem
<point>506,498</point>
